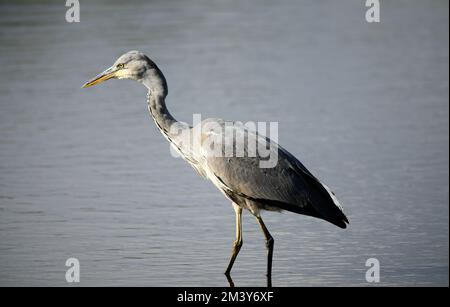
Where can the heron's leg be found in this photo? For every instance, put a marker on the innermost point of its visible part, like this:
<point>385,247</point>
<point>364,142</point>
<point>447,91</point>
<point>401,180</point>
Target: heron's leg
<point>230,280</point>
<point>269,245</point>
<point>238,242</point>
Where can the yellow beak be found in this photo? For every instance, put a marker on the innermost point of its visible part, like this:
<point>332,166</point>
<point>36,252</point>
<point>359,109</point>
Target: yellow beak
<point>106,75</point>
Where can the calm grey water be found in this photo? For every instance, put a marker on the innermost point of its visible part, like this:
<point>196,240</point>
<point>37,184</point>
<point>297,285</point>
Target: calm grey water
<point>85,173</point>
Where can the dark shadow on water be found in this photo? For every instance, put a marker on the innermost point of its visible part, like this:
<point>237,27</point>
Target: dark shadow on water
<point>231,282</point>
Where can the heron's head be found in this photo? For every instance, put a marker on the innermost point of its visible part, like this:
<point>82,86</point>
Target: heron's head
<point>132,65</point>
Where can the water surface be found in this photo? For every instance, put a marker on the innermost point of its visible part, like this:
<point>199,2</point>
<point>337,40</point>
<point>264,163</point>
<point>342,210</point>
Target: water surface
<point>86,174</point>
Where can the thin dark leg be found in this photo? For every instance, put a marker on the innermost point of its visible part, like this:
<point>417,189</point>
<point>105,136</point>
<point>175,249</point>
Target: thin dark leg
<point>230,280</point>
<point>269,245</point>
<point>237,243</point>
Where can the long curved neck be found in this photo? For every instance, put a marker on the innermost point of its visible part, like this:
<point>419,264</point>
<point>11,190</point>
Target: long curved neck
<point>157,92</point>
<point>159,112</point>
<point>171,128</point>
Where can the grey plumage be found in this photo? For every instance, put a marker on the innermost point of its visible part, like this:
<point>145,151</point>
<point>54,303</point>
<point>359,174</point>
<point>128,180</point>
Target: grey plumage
<point>286,186</point>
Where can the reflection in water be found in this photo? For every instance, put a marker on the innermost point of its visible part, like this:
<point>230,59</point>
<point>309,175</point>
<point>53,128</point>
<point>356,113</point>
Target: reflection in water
<point>232,285</point>
<point>363,106</point>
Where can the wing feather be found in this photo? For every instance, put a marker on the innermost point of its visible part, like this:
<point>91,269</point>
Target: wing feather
<point>287,186</point>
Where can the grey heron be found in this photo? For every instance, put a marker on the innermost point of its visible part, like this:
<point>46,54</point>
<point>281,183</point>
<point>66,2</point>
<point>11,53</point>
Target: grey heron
<point>288,185</point>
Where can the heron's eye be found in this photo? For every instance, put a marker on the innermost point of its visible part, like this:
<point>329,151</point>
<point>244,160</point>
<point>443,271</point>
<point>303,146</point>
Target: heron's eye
<point>120,66</point>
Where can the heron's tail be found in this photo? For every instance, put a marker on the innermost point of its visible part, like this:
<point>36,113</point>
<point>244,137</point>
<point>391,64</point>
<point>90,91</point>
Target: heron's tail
<point>337,218</point>
<point>324,201</point>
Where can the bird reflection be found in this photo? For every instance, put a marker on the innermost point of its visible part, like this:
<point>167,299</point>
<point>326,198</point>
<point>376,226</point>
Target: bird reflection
<point>231,282</point>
